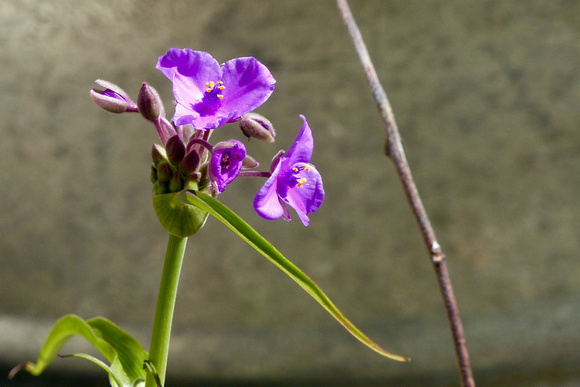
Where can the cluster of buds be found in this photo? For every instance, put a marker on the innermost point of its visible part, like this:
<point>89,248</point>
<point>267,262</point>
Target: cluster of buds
<point>185,160</point>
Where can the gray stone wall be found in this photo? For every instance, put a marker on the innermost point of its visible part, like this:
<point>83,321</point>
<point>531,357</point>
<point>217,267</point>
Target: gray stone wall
<point>486,95</point>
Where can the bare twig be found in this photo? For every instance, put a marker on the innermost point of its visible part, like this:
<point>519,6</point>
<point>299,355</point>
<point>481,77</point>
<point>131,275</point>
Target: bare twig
<point>394,150</point>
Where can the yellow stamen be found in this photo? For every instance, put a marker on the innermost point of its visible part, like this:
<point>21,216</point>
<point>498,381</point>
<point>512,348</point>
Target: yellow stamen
<point>220,96</point>
<point>301,181</point>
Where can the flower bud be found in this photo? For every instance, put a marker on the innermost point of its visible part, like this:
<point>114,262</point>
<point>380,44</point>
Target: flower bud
<point>113,99</point>
<point>249,162</point>
<point>175,150</point>
<point>190,163</point>
<point>192,181</point>
<point>149,103</point>
<point>164,172</point>
<point>158,154</point>
<point>257,126</point>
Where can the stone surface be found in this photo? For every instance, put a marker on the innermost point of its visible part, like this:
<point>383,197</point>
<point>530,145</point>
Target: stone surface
<point>486,96</point>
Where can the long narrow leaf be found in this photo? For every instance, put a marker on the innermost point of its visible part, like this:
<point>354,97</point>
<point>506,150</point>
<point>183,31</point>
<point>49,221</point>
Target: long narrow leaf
<point>248,234</point>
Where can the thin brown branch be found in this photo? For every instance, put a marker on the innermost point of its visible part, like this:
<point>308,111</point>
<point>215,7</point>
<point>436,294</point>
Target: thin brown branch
<point>394,150</point>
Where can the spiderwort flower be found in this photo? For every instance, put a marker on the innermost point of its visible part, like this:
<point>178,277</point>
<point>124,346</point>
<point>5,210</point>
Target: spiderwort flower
<point>293,182</point>
<point>208,95</point>
<point>226,163</point>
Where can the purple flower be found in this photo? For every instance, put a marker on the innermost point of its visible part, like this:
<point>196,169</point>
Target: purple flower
<point>294,182</point>
<point>209,95</point>
<point>226,163</point>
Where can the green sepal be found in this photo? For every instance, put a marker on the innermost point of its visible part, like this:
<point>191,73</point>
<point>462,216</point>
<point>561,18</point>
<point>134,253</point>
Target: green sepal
<point>177,215</point>
<point>250,236</point>
<point>120,349</point>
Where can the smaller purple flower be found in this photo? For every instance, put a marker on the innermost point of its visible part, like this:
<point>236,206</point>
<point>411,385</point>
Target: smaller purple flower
<point>226,163</point>
<point>208,95</point>
<point>293,182</point>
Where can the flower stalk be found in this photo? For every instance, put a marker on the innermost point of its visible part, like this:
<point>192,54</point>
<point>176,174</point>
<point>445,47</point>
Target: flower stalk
<point>394,150</point>
<point>160,338</point>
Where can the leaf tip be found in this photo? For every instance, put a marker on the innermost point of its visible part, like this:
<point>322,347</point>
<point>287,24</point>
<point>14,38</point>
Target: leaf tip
<point>18,368</point>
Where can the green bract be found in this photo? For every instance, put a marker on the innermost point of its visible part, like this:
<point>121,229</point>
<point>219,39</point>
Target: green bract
<point>177,215</point>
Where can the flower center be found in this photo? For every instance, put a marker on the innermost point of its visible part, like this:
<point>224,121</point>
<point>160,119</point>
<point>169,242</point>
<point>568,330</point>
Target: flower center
<point>212,99</point>
<point>298,178</point>
<point>225,162</point>
<point>213,90</point>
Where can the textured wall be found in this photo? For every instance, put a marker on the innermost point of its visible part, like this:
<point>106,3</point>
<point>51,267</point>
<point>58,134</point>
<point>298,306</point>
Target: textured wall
<point>486,96</point>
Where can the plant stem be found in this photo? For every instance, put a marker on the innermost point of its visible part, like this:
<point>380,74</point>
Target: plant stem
<point>165,306</point>
<point>394,150</point>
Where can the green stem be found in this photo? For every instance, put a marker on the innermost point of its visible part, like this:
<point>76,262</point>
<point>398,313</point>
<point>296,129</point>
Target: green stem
<point>165,306</point>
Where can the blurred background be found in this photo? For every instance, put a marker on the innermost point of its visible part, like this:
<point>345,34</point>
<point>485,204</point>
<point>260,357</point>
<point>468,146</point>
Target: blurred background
<point>486,95</point>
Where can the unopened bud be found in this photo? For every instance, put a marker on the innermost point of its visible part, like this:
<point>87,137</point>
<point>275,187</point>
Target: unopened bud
<point>249,163</point>
<point>190,163</point>
<point>175,150</point>
<point>158,154</point>
<point>256,126</point>
<point>192,181</point>
<point>164,172</point>
<point>113,99</point>
<point>149,103</point>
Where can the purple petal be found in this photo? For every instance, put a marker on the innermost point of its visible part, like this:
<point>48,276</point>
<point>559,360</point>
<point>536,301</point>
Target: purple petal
<point>189,71</point>
<point>248,85</point>
<point>301,149</point>
<point>184,116</point>
<point>266,202</point>
<point>200,66</point>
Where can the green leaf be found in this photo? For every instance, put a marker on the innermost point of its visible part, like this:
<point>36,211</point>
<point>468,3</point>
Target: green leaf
<point>248,234</point>
<point>124,353</point>
<point>130,353</point>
